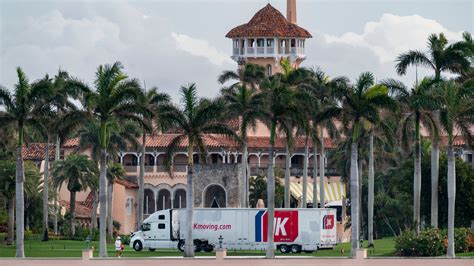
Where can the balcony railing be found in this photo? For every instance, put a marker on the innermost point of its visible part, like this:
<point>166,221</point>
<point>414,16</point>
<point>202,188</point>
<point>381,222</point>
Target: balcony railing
<point>149,168</point>
<point>250,50</point>
<point>130,168</point>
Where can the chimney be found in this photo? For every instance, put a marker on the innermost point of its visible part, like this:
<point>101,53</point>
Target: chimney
<point>291,11</point>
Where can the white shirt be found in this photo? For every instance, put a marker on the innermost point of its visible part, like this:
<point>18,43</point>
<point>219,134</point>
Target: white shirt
<point>118,243</point>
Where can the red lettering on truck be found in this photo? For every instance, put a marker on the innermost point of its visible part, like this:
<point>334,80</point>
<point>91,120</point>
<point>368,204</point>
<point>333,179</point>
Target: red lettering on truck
<point>212,227</point>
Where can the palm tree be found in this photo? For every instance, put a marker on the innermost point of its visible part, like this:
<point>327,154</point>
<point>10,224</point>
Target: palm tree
<point>281,106</point>
<point>250,75</point>
<point>417,106</point>
<point>121,136</point>
<point>456,115</point>
<point>21,109</point>
<point>7,189</point>
<point>244,104</point>
<point>116,98</point>
<point>196,118</point>
<point>80,174</point>
<point>153,101</point>
<point>115,171</point>
<point>360,104</point>
<point>440,57</point>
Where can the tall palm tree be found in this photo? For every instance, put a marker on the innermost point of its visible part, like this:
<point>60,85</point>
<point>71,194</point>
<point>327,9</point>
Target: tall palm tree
<point>250,75</point>
<point>281,106</point>
<point>456,117</point>
<point>116,98</point>
<point>153,101</point>
<point>417,106</point>
<point>7,190</point>
<point>440,57</point>
<point>21,109</point>
<point>360,103</point>
<point>121,136</point>
<point>115,171</point>
<point>245,104</point>
<point>80,174</point>
<point>196,118</point>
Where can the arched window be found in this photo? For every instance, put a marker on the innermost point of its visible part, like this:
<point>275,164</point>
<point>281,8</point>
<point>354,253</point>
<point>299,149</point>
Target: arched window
<point>179,201</point>
<point>269,70</point>
<point>215,197</point>
<point>149,198</point>
<point>163,200</point>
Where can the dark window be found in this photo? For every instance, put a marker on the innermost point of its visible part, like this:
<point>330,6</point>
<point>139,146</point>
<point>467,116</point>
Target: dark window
<point>215,158</point>
<point>161,226</point>
<point>260,42</point>
<point>469,157</point>
<point>161,217</point>
<point>151,160</point>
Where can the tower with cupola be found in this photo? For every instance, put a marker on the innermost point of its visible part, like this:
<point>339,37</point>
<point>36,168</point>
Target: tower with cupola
<point>270,37</point>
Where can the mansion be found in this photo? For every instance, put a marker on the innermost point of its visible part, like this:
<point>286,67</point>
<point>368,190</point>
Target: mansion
<point>266,39</point>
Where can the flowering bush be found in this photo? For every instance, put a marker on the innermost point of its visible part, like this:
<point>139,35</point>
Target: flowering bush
<point>428,243</point>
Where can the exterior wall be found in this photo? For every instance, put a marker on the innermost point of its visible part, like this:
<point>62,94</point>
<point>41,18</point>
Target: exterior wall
<point>225,175</point>
<point>120,208</point>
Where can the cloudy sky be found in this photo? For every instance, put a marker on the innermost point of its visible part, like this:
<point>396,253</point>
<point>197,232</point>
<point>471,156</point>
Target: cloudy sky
<point>174,42</point>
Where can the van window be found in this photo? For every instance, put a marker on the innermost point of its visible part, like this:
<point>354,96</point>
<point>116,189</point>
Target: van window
<point>146,227</point>
<point>161,217</point>
<point>161,226</point>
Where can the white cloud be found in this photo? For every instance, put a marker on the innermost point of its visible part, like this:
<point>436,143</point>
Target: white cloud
<point>200,47</point>
<point>393,34</point>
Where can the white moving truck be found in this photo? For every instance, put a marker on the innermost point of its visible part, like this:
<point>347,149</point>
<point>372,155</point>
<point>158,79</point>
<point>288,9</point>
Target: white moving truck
<point>295,230</point>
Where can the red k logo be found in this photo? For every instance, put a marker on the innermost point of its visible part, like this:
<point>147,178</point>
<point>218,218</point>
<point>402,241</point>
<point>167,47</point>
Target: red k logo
<point>328,221</point>
<point>285,227</point>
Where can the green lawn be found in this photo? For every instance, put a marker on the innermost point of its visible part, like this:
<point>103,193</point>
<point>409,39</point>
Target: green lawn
<point>69,248</point>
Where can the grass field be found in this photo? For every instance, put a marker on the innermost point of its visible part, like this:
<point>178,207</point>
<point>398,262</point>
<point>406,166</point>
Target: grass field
<point>69,248</point>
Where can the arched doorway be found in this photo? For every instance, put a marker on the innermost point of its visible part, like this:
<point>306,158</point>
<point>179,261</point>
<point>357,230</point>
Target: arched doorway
<point>215,197</point>
<point>149,200</point>
<point>179,200</point>
<point>163,200</point>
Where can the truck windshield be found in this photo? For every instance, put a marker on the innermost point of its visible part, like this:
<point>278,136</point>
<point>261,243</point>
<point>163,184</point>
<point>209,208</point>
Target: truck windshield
<point>146,227</point>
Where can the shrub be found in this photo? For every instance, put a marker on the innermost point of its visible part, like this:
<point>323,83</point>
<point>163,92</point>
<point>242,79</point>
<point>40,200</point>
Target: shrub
<point>125,239</point>
<point>428,243</point>
<point>461,239</point>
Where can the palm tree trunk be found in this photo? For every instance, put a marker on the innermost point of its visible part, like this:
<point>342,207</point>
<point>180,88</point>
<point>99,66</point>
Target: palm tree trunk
<point>141,182</point>
<point>361,219</point>
<point>315,174</point>
<point>72,212</point>
<point>354,199</point>
<point>94,211</point>
<point>244,178</point>
<point>370,210</point>
<point>287,174</point>
<point>305,172</point>
<point>11,221</point>
<point>20,200</point>
<point>189,244</point>
<point>417,180</point>
<point>56,209</point>
<point>103,204</point>
<point>45,191</point>
<point>451,198</point>
<point>322,173</point>
<point>434,183</point>
<point>271,196</point>
<point>110,219</point>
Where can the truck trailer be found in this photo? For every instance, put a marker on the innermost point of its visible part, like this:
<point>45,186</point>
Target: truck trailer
<point>295,230</point>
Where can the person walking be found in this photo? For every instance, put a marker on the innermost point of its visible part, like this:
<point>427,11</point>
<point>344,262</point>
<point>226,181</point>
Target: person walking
<point>118,247</point>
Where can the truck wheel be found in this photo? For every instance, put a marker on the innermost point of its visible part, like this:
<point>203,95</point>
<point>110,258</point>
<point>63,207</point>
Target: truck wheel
<point>295,248</point>
<point>181,245</point>
<point>209,248</point>
<point>137,245</point>
<point>152,249</point>
<point>309,251</point>
<point>284,249</point>
<point>197,246</point>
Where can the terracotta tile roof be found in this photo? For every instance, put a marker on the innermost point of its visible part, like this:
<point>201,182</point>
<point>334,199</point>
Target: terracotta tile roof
<point>35,151</point>
<point>81,210</point>
<point>71,143</point>
<point>268,22</point>
<point>126,183</point>
<point>89,201</point>
<point>162,141</point>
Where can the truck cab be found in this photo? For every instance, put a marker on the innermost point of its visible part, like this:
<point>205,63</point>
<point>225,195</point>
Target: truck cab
<point>155,232</point>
